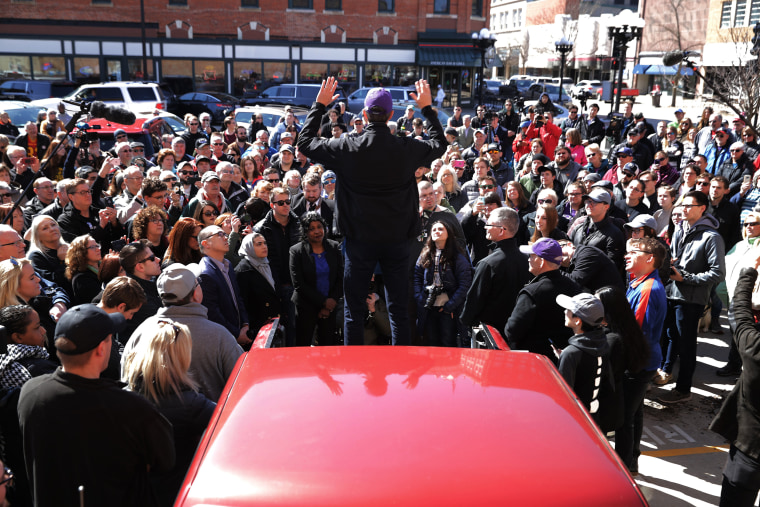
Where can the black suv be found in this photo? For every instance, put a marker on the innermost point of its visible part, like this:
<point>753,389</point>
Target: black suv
<point>295,94</point>
<point>28,89</point>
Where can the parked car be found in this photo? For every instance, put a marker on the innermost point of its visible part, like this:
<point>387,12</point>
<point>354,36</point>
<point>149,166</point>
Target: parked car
<point>400,111</point>
<point>403,426</point>
<point>492,86</point>
<point>271,114</point>
<point>560,113</point>
<point>147,129</point>
<point>586,85</point>
<point>217,104</point>
<point>137,96</point>
<point>399,94</point>
<point>30,89</point>
<point>294,94</point>
<point>536,89</point>
<point>20,112</point>
<point>522,85</point>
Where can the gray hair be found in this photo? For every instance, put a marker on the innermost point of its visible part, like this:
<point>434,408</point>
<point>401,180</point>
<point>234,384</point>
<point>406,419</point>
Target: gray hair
<point>507,218</point>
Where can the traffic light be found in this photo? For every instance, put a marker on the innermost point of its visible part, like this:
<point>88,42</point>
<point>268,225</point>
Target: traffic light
<point>756,41</point>
<point>615,63</point>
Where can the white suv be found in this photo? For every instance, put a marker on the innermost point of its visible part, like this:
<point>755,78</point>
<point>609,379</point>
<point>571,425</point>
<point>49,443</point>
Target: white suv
<point>137,96</point>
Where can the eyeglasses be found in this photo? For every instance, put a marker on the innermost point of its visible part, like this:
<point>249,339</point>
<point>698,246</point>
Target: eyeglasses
<point>623,155</point>
<point>151,258</point>
<point>212,213</point>
<point>545,201</point>
<point>194,124</point>
<point>220,234</point>
<point>690,205</point>
<point>639,251</point>
<point>274,180</point>
<point>658,160</point>
<point>282,203</point>
<point>738,150</point>
<point>751,224</point>
<point>121,136</point>
<point>157,221</point>
<point>493,151</point>
<point>187,173</point>
<point>3,196</point>
<point>495,227</point>
<point>218,144</point>
<point>8,478</point>
<point>487,187</point>
<point>138,149</point>
<point>720,136</point>
<point>703,183</point>
<point>18,242</point>
<point>170,180</point>
<point>93,247</point>
<point>671,133</point>
<point>82,193</point>
<point>574,194</point>
<point>329,181</point>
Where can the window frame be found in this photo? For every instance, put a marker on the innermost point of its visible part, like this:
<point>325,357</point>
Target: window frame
<point>437,10</point>
<point>390,6</point>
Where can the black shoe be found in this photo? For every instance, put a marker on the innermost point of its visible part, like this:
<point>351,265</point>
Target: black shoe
<point>716,329</point>
<point>729,371</point>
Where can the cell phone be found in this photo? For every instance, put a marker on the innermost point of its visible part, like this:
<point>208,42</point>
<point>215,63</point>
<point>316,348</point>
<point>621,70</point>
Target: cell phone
<point>747,178</point>
<point>481,199</point>
<point>28,160</point>
<point>118,244</point>
<point>457,164</point>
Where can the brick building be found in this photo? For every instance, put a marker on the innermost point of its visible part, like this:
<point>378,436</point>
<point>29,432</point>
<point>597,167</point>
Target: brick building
<point>239,45</point>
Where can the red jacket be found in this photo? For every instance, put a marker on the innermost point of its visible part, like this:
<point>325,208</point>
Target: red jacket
<point>549,134</point>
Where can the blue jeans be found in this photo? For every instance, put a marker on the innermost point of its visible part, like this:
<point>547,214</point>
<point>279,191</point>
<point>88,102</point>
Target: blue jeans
<point>681,323</point>
<point>628,436</point>
<point>360,262</point>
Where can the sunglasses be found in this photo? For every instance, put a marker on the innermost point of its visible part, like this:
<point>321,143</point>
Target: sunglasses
<point>282,203</point>
<point>148,259</point>
<point>545,201</point>
<point>658,160</point>
<point>274,180</point>
<point>187,173</point>
<point>212,213</point>
<point>751,224</point>
<point>329,181</point>
<point>487,187</point>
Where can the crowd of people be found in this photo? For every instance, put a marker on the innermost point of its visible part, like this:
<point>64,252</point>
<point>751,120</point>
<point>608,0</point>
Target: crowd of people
<point>358,230</point>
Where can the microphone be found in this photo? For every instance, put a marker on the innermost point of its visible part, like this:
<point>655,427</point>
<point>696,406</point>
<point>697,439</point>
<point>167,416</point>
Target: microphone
<point>673,58</point>
<point>112,113</point>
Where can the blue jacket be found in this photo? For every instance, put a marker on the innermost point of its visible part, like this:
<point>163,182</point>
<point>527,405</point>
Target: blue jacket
<point>716,155</point>
<point>456,282</point>
<point>650,305</point>
<point>223,307</point>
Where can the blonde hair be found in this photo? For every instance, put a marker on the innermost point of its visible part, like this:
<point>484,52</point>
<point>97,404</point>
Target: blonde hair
<point>157,366</point>
<point>10,275</point>
<point>34,239</point>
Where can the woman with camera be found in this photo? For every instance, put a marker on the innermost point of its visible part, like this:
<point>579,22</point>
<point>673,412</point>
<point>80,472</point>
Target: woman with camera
<point>442,276</point>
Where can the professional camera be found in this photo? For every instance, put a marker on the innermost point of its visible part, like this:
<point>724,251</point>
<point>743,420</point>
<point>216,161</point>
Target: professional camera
<point>432,291</point>
<point>583,97</point>
<point>85,135</point>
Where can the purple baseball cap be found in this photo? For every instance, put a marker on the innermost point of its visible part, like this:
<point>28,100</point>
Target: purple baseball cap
<point>546,248</point>
<point>380,100</point>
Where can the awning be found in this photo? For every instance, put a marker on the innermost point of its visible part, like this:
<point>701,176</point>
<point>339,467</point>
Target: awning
<point>448,56</point>
<point>661,70</point>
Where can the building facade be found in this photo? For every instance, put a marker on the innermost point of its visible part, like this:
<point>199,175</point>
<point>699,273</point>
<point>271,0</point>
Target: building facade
<point>245,45</point>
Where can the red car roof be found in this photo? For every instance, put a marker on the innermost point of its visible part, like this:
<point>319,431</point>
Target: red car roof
<point>402,426</point>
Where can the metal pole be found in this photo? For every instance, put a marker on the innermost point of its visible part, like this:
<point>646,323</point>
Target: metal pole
<point>142,37</point>
<point>621,57</point>
<point>482,70</point>
<point>561,72</point>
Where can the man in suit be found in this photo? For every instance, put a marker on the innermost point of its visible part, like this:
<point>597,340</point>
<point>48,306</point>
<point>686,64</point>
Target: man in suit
<point>311,200</point>
<point>465,132</point>
<point>221,294</point>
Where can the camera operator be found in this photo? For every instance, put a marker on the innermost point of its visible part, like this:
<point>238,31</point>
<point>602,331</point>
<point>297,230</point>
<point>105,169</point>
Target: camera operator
<point>594,126</point>
<point>544,128</point>
<point>573,121</point>
<point>24,169</point>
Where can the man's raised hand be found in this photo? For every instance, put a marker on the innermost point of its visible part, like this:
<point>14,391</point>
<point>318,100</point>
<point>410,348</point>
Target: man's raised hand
<point>423,97</point>
<point>327,94</point>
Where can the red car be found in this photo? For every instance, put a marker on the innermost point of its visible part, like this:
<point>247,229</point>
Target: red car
<point>363,426</point>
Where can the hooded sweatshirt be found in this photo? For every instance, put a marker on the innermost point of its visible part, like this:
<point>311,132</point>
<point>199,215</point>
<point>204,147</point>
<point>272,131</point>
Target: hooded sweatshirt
<point>582,362</point>
<point>699,254</point>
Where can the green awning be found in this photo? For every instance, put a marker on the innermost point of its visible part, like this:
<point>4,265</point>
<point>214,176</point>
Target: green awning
<point>448,56</point>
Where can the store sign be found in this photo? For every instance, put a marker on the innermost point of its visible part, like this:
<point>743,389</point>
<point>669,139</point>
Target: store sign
<point>448,63</point>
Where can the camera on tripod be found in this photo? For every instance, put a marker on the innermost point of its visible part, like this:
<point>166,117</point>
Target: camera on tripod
<point>583,97</point>
<point>84,134</point>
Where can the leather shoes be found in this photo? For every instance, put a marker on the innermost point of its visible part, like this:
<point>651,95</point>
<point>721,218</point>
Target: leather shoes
<point>729,371</point>
<point>662,377</point>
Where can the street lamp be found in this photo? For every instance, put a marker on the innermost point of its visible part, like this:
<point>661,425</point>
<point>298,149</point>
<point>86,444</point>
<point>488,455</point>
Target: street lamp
<point>483,41</point>
<point>625,28</point>
<point>563,47</point>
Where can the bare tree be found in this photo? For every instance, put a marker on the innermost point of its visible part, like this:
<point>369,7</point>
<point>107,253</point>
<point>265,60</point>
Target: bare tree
<point>737,85</point>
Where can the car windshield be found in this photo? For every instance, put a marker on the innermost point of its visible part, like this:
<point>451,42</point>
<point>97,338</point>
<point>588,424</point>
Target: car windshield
<point>19,116</point>
<point>552,89</point>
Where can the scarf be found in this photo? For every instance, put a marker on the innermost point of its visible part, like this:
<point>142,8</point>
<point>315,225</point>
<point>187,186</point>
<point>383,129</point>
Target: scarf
<point>259,264</point>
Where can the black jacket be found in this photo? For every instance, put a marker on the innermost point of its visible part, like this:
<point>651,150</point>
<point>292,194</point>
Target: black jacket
<point>48,266</point>
<point>592,270</point>
<point>498,279</point>
<point>739,417</point>
<point>376,192</point>
<point>729,228</point>
<point>55,209</point>
<point>260,299</point>
<point>73,224</point>
<point>537,318</point>
<point>303,273</point>
<point>85,286</point>
<point>326,209</point>
<point>735,173</point>
<point>595,131</point>
<point>31,210</point>
<point>43,143</point>
<point>605,235</point>
<point>279,241</point>
<point>148,309</point>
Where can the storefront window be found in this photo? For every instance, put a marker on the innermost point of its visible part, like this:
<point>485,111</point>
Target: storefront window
<point>209,76</point>
<point>87,70</point>
<point>15,67</point>
<point>246,78</point>
<point>404,75</point>
<point>49,67</point>
<point>345,73</point>
<point>377,75</point>
<point>136,69</point>
<point>276,73</point>
<point>313,72</point>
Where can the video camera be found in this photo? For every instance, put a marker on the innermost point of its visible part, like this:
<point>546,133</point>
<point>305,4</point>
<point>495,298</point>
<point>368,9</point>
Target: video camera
<point>83,133</point>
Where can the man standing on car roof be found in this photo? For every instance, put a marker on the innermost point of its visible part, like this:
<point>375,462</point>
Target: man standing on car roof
<point>370,168</point>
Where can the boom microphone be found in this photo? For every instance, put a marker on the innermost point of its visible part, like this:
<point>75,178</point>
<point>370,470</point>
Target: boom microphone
<point>672,58</point>
<point>112,113</point>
